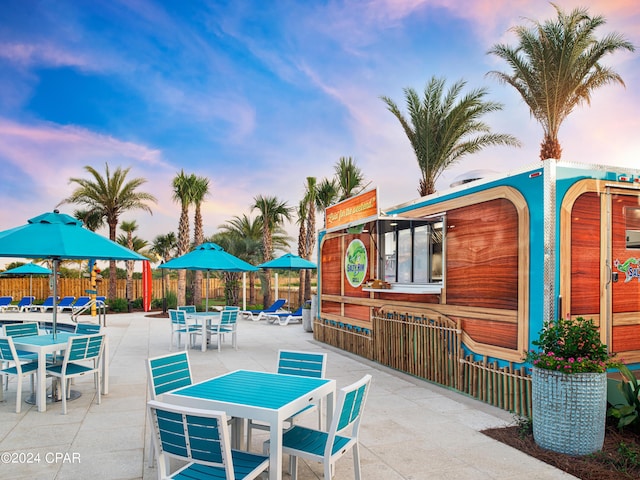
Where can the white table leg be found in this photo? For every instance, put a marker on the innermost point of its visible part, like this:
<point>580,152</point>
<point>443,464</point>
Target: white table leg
<point>275,451</point>
<point>41,390</point>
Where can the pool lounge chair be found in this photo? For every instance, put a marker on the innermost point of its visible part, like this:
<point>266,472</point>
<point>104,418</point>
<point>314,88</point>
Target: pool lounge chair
<point>260,314</point>
<point>46,305</point>
<point>23,305</point>
<point>5,301</point>
<point>65,302</point>
<point>284,318</point>
<point>80,303</point>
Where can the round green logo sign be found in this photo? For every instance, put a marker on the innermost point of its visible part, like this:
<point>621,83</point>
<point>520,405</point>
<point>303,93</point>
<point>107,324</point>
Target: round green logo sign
<point>355,263</point>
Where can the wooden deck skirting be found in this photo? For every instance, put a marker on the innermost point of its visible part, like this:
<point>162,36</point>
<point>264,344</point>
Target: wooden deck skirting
<point>426,344</point>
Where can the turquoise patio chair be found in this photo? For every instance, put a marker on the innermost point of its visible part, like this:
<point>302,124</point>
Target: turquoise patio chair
<point>228,324</point>
<point>164,374</point>
<point>24,329</point>
<point>180,326</point>
<point>201,438</point>
<point>13,367</point>
<point>328,447</point>
<point>304,364</point>
<point>83,348</point>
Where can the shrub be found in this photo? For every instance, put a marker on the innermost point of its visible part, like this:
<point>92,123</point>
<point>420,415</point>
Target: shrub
<point>571,346</point>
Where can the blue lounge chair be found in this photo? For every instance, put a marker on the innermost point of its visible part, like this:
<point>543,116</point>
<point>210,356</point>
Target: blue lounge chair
<point>65,302</point>
<point>5,301</point>
<point>46,305</point>
<point>79,304</point>
<point>260,314</point>
<point>283,318</point>
<point>23,305</point>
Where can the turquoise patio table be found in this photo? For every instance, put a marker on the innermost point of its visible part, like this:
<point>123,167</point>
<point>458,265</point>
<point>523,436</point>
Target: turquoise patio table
<point>263,396</point>
<point>48,344</point>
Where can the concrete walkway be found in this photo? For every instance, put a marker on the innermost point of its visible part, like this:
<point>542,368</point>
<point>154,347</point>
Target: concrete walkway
<point>411,429</point>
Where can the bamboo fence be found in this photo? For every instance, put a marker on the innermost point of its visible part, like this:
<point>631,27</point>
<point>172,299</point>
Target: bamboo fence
<point>427,344</point>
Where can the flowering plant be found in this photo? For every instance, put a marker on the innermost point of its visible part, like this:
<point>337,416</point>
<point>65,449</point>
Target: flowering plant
<point>571,346</point>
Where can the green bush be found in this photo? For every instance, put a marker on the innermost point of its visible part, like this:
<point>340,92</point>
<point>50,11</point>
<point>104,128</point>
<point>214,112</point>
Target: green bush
<point>119,305</point>
<point>629,414</point>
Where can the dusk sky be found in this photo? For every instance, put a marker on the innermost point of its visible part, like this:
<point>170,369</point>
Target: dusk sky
<point>257,95</point>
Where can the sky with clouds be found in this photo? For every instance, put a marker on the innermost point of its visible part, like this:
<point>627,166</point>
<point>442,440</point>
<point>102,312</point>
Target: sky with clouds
<point>258,95</point>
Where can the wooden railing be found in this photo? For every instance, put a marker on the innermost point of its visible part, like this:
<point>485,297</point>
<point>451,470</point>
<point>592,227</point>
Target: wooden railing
<point>427,344</point>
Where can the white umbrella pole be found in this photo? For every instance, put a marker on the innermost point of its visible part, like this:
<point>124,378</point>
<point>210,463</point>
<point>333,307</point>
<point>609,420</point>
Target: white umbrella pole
<point>55,296</point>
<point>244,290</point>
<point>206,302</point>
<point>277,283</point>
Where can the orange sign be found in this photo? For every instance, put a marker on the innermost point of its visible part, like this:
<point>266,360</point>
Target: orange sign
<point>355,208</point>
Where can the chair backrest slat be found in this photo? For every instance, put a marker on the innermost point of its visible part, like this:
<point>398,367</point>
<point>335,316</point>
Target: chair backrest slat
<point>187,308</point>
<point>192,435</point>
<point>306,364</point>
<point>25,329</point>
<point>228,317</point>
<point>84,347</point>
<point>351,400</point>
<point>178,317</point>
<point>87,328</point>
<point>7,349</point>
<point>168,372</point>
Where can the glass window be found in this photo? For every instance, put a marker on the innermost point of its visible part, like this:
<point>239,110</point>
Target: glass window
<point>412,251</point>
<point>632,227</point>
<point>421,254</point>
<point>390,256</point>
<point>404,256</point>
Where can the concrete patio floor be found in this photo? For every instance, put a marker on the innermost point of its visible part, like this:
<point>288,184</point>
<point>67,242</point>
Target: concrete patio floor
<point>411,429</point>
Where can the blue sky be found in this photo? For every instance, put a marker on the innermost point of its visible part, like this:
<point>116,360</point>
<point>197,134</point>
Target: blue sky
<point>257,95</point>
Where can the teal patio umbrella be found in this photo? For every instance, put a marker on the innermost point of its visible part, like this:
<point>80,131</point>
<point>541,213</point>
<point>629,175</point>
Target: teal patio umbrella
<point>30,269</point>
<point>209,257</point>
<point>57,236</point>
<point>289,262</point>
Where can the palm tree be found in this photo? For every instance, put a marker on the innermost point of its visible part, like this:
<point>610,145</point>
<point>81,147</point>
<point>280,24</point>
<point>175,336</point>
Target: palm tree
<point>129,228</point>
<point>326,194</point>
<point>311,197</point>
<point>109,197</point>
<point>349,178</point>
<point>556,67</point>
<point>302,243</point>
<point>183,187</point>
<point>200,190</point>
<point>443,128</point>
<point>250,232</point>
<point>273,212</point>
<point>165,247</point>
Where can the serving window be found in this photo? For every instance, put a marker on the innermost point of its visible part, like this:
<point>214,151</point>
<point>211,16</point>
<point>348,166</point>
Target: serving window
<point>412,251</point>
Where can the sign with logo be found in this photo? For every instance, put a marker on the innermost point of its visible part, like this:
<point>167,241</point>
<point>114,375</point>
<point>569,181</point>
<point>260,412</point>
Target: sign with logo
<point>355,263</point>
<point>630,268</point>
<point>352,209</point>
